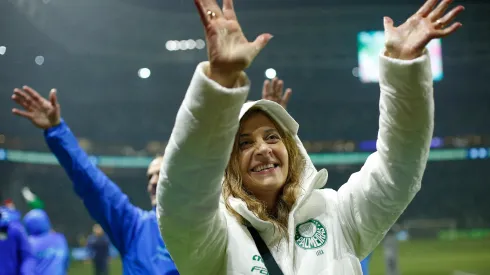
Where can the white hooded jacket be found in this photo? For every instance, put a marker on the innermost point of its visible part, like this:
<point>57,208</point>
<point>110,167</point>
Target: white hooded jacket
<point>329,231</point>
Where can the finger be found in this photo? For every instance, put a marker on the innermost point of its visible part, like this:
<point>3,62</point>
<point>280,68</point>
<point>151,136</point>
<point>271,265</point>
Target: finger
<point>32,93</point>
<point>18,100</point>
<point>272,91</point>
<point>202,12</point>
<point>22,99</point>
<point>229,10</point>
<point>53,98</point>
<point>266,89</point>
<point>427,8</point>
<point>449,17</point>
<point>260,43</point>
<point>449,30</point>
<point>286,97</point>
<point>21,94</point>
<point>22,113</point>
<point>440,10</point>
<point>279,89</point>
<point>388,23</point>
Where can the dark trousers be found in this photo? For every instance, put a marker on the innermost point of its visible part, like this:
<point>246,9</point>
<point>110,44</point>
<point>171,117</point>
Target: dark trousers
<point>101,269</point>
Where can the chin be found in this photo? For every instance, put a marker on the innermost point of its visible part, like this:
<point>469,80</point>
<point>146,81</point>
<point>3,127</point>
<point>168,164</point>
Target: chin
<point>269,184</point>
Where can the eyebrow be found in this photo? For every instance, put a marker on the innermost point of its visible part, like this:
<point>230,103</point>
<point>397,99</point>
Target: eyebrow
<point>268,131</point>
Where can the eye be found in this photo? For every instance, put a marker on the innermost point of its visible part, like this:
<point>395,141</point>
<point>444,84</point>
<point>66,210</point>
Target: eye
<point>244,144</point>
<point>273,137</point>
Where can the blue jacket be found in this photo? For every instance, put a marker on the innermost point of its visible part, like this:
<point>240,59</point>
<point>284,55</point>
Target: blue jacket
<point>133,231</point>
<point>15,251</point>
<point>365,264</point>
<point>49,248</point>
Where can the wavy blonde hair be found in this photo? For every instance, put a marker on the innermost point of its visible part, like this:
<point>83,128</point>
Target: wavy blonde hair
<point>233,185</point>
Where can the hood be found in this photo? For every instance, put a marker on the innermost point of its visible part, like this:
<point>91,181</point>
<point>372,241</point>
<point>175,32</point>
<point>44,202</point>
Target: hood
<point>37,222</point>
<point>288,124</point>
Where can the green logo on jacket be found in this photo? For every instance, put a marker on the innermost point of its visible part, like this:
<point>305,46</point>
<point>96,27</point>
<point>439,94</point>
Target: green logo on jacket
<point>310,234</point>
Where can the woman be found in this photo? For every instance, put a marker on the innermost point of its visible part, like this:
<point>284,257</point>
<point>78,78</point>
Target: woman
<point>231,170</point>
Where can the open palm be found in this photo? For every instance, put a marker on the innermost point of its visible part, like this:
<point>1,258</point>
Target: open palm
<point>408,40</point>
<point>41,112</point>
<point>229,51</point>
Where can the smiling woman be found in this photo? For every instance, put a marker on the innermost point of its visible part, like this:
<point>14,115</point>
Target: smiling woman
<point>272,196</point>
<point>264,169</point>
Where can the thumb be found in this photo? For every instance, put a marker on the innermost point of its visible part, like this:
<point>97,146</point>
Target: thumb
<point>260,42</point>
<point>53,98</point>
<point>388,23</point>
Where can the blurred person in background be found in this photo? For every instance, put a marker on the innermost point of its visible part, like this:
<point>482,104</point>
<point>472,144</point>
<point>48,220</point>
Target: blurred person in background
<point>132,230</point>
<point>237,183</point>
<point>365,264</point>
<point>16,256</point>
<point>50,248</point>
<point>99,248</point>
<point>390,251</point>
<point>14,214</point>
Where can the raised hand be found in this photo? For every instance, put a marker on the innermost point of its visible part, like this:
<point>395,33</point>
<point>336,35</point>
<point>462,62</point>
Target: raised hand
<point>41,112</point>
<point>408,40</point>
<point>229,52</point>
<point>274,91</point>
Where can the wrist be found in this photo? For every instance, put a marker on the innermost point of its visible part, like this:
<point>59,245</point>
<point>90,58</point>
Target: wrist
<point>225,79</point>
<point>402,55</point>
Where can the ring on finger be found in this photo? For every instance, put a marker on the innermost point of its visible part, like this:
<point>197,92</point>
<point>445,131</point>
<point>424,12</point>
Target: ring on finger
<point>439,24</point>
<point>211,14</point>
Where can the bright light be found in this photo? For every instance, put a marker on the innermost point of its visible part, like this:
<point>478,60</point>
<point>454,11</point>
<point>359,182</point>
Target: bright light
<point>200,44</point>
<point>474,153</point>
<point>171,45</point>
<point>144,72</point>
<point>191,44</point>
<point>183,45</point>
<point>39,60</point>
<point>3,49</point>
<point>270,73</point>
<point>355,72</point>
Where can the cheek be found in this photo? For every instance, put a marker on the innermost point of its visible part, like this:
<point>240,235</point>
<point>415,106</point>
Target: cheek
<point>244,160</point>
<point>282,154</point>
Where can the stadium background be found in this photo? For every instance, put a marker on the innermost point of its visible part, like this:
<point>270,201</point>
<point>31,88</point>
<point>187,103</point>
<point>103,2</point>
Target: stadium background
<point>92,51</point>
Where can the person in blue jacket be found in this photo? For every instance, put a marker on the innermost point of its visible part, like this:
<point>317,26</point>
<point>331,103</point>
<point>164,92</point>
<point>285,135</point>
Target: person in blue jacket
<point>15,251</point>
<point>365,264</point>
<point>132,230</point>
<point>14,214</point>
<point>49,247</point>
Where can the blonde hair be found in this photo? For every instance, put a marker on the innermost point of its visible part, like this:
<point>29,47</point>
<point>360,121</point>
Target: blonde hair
<point>233,185</point>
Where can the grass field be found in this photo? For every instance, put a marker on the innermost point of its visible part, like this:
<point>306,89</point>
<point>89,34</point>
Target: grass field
<point>416,258</point>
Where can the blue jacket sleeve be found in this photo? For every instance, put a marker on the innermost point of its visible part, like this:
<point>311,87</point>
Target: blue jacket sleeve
<point>105,202</point>
<point>67,252</point>
<point>27,260</point>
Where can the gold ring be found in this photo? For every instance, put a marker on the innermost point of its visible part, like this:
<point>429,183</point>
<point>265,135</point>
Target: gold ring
<point>211,14</point>
<point>439,23</point>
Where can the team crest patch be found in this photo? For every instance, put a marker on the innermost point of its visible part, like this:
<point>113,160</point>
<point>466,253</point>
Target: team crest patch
<point>310,234</point>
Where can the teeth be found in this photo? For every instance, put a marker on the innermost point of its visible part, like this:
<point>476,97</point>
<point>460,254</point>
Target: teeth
<point>263,167</point>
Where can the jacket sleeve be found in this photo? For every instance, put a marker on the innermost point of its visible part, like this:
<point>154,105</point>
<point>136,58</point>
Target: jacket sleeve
<point>374,198</point>
<point>189,188</point>
<point>66,250</point>
<point>105,202</point>
<point>27,259</point>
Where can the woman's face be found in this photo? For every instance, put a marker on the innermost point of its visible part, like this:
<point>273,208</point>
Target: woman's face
<point>263,156</point>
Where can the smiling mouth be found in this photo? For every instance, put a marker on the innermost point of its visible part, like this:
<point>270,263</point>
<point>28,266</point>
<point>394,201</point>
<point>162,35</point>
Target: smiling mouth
<point>264,168</point>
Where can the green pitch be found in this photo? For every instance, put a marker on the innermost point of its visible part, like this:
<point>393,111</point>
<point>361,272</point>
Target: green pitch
<point>416,258</point>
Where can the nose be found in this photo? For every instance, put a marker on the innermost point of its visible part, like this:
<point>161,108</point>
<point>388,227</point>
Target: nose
<point>263,149</point>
